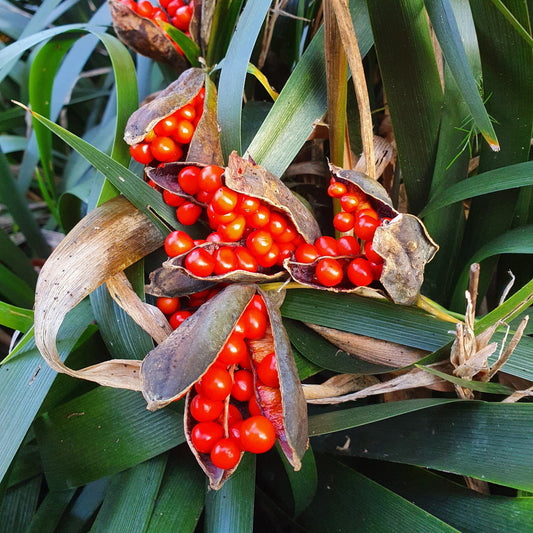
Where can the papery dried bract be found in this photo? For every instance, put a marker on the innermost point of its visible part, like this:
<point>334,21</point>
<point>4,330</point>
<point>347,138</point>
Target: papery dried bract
<point>145,36</point>
<point>406,247</point>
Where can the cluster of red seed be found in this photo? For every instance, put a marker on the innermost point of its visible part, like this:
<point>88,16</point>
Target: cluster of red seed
<point>178,13</point>
<point>227,390</point>
<point>358,215</point>
<point>267,236</point>
<point>169,139</point>
<point>177,310</point>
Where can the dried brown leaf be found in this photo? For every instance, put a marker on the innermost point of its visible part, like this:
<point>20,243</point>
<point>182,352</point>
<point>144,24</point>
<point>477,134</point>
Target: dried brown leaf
<point>370,349</point>
<point>104,243</point>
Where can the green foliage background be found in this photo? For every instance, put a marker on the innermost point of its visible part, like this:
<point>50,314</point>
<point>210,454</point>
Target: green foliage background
<point>75,457</point>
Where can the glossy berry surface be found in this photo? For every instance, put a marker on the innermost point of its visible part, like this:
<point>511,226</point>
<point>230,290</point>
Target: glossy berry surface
<point>257,434</point>
<point>225,453</point>
<point>205,435</point>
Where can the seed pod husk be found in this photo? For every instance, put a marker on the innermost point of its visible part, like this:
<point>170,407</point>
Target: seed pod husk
<point>145,36</point>
<point>176,95</point>
<point>284,407</point>
<point>170,369</point>
<point>403,243</point>
<point>246,177</point>
<point>217,476</point>
<point>174,278</point>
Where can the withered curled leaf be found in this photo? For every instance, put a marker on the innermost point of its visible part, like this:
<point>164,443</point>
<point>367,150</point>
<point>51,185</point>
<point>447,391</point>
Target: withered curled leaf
<point>145,36</point>
<point>176,364</point>
<point>292,434</point>
<point>246,177</point>
<point>105,242</point>
<point>176,95</point>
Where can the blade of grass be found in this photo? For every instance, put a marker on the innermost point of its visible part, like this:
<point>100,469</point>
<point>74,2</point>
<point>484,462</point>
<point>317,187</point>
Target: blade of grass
<point>189,47</point>
<point>500,179</point>
<point>222,26</point>
<point>457,505</point>
<point>412,85</point>
<point>15,318</point>
<point>447,32</point>
<point>231,509</point>
<point>50,511</point>
<point>183,482</point>
<point>481,386</point>
<point>302,102</point>
<point>26,381</point>
<point>19,504</point>
<point>515,241</point>
<point>488,441</point>
<point>140,194</point>
<point>233,74</point>
<point>521,30</point>
<point>17,291</point>
<point>19,210</point>
<point>304,482</point>
<point>349,501</point>
<point>507,77</point>
<point>130,498</point>
<point>127,434</point>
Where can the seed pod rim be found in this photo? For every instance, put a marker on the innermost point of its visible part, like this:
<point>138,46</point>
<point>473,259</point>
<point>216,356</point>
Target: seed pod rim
<point>295,443</point>
<point>217,476</point>
<point>156,41</point>
<point>218,317</point>
<point>177,94</point>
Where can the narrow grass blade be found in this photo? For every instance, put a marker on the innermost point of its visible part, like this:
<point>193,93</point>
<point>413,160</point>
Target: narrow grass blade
<point>303,101</point>
<point>19,210</point>
<point>231,509</point>
<point>304,482</point>
<point>481,386</point>
<point>130,498</point>
<point>348,501</point>
<point>414,95</point>
<point>15,317</point>
<point>488,441</point>
<point>501,179</point>
<point>50,511</point>
<point>14,289</point>
<point>508,80</point>
<point>224,20</point>
<point>128,434</point>
<point>190,48</point>
<point>467,510</point>
<point>233,74</point>
<point>26,381</point>
<point>445,26</point>
<point>183,482</point>
<point>18,506</point>
<point>321,424</point>
<point>140,194</point>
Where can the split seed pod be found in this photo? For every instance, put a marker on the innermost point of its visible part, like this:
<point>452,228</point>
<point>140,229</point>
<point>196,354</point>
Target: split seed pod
<point>244,177</point>
<point>145,36</point>
<point>170,370</point>
<point>205,144</point>
<point>403,243</point>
